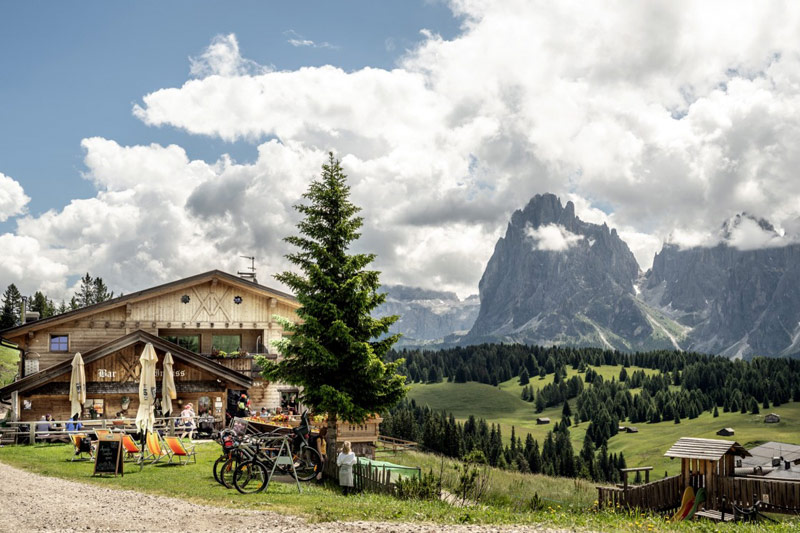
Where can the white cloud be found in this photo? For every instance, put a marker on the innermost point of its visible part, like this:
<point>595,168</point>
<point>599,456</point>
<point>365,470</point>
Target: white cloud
<point>552,238</point>
<point>222,58</point>
<point>661,119</point>
<point>12,198</point>
<point>298,41</point>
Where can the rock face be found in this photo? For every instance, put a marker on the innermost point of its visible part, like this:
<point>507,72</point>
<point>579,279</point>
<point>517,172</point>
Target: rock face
<point>737,302</point>
<point>554,279</point>
<point>427,316</point>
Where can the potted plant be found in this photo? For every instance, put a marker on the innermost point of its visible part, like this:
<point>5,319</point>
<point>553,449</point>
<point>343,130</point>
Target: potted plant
<point>125,402</point>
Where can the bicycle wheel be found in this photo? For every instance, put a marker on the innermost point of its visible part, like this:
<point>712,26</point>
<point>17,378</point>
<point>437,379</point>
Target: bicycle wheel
<point>307,464</point>
<point>250,477</point>
<point>227,470</point>
<point>218,468</point>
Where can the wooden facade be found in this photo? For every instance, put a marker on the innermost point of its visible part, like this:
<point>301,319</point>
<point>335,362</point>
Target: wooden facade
<point>206,309</point>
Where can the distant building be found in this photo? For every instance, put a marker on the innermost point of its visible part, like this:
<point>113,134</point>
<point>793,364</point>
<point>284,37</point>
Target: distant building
<point>631,429</point>
<point>725,432</point>
<point>777,460</point>
<point>772,418</point>
<point>542,421</point>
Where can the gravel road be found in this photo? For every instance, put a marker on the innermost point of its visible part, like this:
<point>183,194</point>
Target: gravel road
<point>31,502</point>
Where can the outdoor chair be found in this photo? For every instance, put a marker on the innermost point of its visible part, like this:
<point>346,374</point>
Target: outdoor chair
<point>130,447</point>
<point>102,433</point>
<point>179,450</point>
<point>81,445</point>
<point>156,452</point>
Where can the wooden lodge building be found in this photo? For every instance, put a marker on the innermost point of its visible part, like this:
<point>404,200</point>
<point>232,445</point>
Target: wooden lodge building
<point>197,319</point>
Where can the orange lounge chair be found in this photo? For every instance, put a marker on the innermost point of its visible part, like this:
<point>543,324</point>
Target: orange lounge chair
<point>156,452</point>
<point>102,433</point>
<point>131,449</point>
<point>179,450</point>
<point>76,439</point>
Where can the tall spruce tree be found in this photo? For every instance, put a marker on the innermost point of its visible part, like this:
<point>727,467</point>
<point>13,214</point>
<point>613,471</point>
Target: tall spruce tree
<point>336,352</point>
<point>12,300</point>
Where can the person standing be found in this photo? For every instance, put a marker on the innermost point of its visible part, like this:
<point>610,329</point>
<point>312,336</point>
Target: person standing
<point>187,417</point>
<point>345,462</point>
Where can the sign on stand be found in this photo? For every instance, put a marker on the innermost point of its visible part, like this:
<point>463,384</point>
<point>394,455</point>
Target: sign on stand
<point>108,457</point>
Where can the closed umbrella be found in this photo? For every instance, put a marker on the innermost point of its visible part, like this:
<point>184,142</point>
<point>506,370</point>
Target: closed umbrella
<point>168,392</point>
<point>145,417</point>
<point>77,385</point>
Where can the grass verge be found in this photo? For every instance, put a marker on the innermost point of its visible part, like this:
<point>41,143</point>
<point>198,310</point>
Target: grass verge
<point>324,503</point>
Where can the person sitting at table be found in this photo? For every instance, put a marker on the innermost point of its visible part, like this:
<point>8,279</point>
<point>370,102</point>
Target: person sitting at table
<point>74,423</point>
<point>43,429</point>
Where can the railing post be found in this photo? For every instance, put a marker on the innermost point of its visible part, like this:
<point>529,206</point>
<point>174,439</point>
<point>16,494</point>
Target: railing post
<point>33,433</point>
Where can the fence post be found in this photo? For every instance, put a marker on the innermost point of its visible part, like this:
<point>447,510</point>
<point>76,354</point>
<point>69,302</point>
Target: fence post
<point>33,433</point>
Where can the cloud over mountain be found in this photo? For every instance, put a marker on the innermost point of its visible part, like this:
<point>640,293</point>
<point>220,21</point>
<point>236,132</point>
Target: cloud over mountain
<point>659,118</point>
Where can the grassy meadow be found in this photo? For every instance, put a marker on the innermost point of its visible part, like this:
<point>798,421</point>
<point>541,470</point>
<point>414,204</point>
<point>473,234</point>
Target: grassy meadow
<point>9,358</point>
<point>503,405</point>
<point>567,503</point>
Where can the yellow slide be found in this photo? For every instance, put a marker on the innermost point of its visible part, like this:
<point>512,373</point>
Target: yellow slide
<point>687,502</point>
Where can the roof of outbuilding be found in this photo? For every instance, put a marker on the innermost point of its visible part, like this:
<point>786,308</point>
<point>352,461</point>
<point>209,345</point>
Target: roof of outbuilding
<point>763,454</point>
<point>710,449</point>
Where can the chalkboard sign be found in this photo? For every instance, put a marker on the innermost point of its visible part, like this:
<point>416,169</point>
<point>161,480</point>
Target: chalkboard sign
<point>108,456</point>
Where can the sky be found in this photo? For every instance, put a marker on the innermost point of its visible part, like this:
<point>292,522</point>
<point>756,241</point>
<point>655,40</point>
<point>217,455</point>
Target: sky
<point>144,142</point>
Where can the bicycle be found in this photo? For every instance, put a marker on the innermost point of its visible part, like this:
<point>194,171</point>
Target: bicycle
<point>254,475</point>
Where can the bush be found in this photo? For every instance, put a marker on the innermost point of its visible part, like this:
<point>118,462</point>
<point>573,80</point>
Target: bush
<point>426,487</point>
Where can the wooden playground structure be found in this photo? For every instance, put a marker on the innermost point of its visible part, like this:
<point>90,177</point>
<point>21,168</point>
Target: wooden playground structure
<point>707,464</point>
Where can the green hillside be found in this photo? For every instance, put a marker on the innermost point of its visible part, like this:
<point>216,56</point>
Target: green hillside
<point>503,405</point>
<point>9,358</point>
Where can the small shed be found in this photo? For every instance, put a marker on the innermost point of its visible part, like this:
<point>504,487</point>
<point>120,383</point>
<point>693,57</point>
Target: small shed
<point>542,421</point>
<point>631,429</point>
<point>772,418</point>
<point>703,461</point>
<point>725,432</point>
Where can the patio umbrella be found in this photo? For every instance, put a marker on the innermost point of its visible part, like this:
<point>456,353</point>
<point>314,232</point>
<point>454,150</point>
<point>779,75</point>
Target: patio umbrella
<point>77,385</point>
<point>145,417</point>
<point>168,392</point>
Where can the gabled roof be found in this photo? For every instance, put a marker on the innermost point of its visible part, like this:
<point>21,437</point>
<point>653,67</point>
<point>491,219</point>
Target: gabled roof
<point>710,449</point>
<point>147,293</point>
<point>40,378</point>
<point>763,454</point>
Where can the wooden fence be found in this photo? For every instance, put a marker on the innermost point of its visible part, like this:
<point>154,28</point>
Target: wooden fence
<point>393,445</point>
<point>775,495</point>
<point>661,495</point>
<point>372,478</point>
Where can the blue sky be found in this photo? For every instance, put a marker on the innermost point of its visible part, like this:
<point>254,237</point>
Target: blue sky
<point>72,70</point>
<point>148,141</point>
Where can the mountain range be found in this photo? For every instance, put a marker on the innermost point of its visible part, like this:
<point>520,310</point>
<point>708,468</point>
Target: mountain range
<point>555,279</point>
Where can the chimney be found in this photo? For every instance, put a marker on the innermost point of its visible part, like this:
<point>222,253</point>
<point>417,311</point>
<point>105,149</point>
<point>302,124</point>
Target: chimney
<point>787,465</point>
<point>31,316</point>
<point>776,461</point>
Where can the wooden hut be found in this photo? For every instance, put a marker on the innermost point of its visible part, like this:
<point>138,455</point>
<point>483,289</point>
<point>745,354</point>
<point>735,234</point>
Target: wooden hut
<point>725,432</point>
<point>631,429</point>
<point>772,418</point>
<point>704,461</point>
<point>542,420</point>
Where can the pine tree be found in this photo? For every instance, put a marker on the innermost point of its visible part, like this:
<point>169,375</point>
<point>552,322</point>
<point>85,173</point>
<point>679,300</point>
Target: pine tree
<point>716,412</point>
<point>524,377</point>
<point>85,294</point>
<point>336,352</point>
<point>100,291</point>
<point>12,301</point>
<point>42,305</point>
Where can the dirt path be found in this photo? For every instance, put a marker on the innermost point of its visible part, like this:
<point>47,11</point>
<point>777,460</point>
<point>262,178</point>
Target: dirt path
<point>31,502</point>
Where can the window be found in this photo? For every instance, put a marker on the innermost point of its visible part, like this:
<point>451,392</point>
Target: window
<point>203,405</point>
<point>93,408</point>
<point>227,343</point>
<point>190,342</point>
<point>59,343</point>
